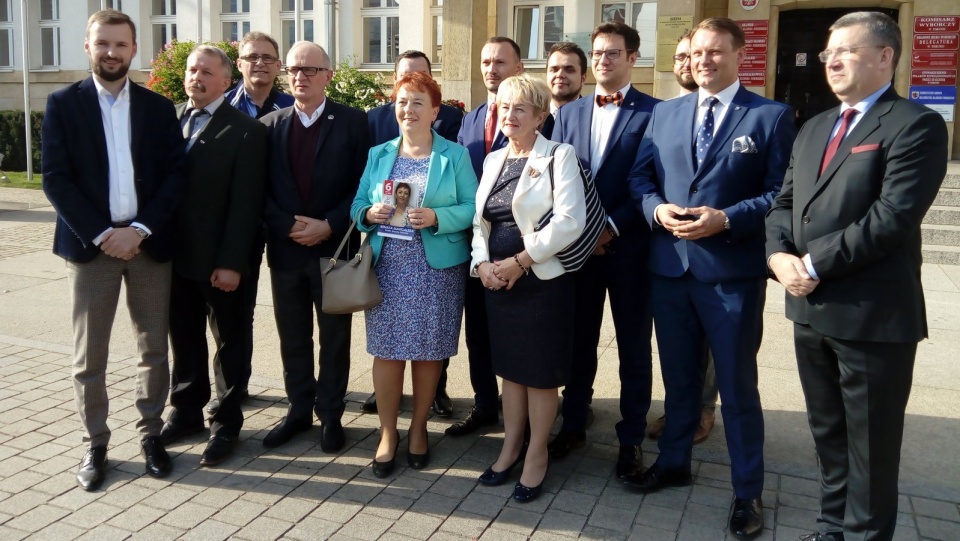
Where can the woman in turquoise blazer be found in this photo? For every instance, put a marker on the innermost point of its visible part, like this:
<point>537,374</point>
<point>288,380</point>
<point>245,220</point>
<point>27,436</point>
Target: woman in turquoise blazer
<point>420,257</point>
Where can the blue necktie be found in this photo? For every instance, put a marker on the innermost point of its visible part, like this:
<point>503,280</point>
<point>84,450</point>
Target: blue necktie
<point>705,133</point>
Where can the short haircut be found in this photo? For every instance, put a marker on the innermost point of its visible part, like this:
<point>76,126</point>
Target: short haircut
<point>210,50</point>
<point>504,39</point>
<point>881,27</point>
<point>314,46</point>
<point>631,39</point>
<point>256,35</point>
<point>112,16</point>
<point>687,34</point>
<point>722,24</point>
<point>525,88</point>
<point>412,55</point>
<point>421,82</point>
<point>567,47</point>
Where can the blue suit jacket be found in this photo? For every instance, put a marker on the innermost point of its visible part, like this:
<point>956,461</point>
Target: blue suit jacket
<point>76,177</point>
<point>451,193</point>
<point>573,127</point>
<point>743,185</point>
<point>471,136</point>
<point>384,127</point>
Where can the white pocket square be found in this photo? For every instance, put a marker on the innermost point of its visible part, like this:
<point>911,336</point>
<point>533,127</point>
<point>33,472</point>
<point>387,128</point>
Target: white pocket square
<point>744,145</point>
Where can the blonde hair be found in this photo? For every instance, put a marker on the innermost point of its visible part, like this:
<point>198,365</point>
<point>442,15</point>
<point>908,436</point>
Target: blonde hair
<point>525,88</point>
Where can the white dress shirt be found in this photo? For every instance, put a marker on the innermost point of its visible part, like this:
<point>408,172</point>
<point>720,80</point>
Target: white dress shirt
<point>725,98</point>
<point>309,120</point>
<point>600,127</point>
<point>202,120</point>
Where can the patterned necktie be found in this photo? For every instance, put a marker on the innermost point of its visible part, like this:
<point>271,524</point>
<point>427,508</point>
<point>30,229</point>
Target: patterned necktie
<point>838,138</point>
<point>490,128</point>
<point>191,121</point>
<point>705,133</point>
<point>615,99</point>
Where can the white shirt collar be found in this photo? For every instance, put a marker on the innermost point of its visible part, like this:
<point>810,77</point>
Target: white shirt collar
<point>210,107</point>
<point>865,103</point>
<point>103,92</point>
<point>623,92</point>
<point>308,120</point>
<point>725,96</point>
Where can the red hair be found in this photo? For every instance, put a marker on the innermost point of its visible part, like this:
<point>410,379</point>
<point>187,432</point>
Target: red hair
<point>421,82</point>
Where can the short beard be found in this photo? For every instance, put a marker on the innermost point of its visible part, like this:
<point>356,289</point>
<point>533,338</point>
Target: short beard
<point>108,76</point>
<point>568,97</point>
<point>689,86</point>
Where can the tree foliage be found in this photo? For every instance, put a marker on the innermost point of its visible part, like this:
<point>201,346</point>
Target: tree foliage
<point>350,86</point>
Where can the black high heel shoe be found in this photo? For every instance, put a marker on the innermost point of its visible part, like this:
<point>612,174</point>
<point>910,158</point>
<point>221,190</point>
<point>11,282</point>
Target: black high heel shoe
<point>525,494</point>
<point>415,461</point>
<point>496,478</point>
<point>385,468</point>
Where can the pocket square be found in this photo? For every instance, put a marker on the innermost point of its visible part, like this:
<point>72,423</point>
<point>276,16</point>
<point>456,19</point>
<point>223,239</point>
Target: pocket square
<point>744,145</point>
<point>865,148</point>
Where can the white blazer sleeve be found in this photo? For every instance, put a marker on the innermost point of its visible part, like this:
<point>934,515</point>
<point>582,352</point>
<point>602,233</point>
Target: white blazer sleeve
<point>569,208</point>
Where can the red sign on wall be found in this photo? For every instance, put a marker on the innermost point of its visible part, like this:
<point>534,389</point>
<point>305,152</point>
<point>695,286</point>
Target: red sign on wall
<point>753,62</point>
<point>755,28</point>
<point>753,78</point>
<point>753,70</point>
<point>934,25</point>
<point>933,77</point>
<point>934,59</point>
<point>936,42</point>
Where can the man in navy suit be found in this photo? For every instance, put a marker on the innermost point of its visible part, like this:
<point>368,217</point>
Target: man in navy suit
<point>112,167</point>
<point>708,169</point>
<point>383,128</point>
<point>606,128</point>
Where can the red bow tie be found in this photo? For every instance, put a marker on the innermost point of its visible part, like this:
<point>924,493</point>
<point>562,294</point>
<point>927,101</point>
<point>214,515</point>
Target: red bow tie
<point>616,99</point>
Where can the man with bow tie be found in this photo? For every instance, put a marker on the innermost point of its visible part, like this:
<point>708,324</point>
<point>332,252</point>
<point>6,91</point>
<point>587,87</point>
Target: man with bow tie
<point>217,223</point>
<point>606,128</point>
<point>705,202</point>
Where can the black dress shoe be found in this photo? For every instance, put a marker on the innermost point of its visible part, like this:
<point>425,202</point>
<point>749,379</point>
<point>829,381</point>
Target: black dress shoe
<point>474,420</point>
<point>218,449</point>
<point>442,405</point>
<point>93,468</point>
<point>332,438</point>
<point>496,478</point>
<point>171,431</point>
<point>385,468</point>
<point>155,457</point>
<point>566,441</point>
<point>746,522</point>
<point>525,494</point>
<point>370,404</point>
<point>418,462</point>
<point>286,429</point>
<point>629,461</point>
<point>656,478</point>
<point>817,536</point>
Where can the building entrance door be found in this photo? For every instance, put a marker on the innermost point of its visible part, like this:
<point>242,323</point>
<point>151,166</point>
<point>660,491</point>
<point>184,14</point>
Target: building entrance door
<point>800,80</point>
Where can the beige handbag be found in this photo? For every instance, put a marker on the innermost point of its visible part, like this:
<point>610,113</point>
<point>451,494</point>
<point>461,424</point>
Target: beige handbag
<point>350,285</point>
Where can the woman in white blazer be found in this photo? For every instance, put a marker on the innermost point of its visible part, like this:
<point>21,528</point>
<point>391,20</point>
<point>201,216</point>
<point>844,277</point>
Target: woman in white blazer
<point>529,298</point>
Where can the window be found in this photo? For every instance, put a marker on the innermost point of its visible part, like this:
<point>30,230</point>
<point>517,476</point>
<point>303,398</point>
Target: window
<point>50,33</point>
<point>163,20</point>
<point>94,6</point>
<point>381,31</point>
<point>436,37</point>
<point>235,25</point>
<point>536,28</point>
<point>6,34</point>
<point>290,5</point>
<point>288,24</point>
<point>643,17</point>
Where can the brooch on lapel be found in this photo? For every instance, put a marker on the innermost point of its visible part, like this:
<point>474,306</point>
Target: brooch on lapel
<point>533,172</point>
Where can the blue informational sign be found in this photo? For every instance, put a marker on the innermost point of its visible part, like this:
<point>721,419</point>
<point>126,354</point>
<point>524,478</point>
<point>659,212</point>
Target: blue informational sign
<point>934,95</point>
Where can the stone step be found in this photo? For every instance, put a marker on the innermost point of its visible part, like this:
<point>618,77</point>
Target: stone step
<point>943,235</point>
<point>941,255</point>
<point>951,181</point>
<point>942,215</point>
<point>948,197</point>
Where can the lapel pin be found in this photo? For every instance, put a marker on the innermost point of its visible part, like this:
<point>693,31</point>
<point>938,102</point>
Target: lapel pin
<point>737,108</point>
<point>329,117</point>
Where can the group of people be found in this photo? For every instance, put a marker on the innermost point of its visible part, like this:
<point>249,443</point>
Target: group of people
<point>702,198</point>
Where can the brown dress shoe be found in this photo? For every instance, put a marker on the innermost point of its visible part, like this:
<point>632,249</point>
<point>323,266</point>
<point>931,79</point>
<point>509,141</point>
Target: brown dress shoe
<point>707,418</point>
<point>655,429</point>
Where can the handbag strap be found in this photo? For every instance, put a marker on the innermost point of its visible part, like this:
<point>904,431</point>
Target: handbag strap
<point>346,239</point>
<point>553,151</point>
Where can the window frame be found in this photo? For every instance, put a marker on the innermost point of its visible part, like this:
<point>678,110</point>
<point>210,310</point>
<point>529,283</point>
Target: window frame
<point>436,28</point>
<point>287,16</point>
<point>542,50</point>
<point>8,25</point>
<point>52,24</point>
<point>629,15</point>
<point>384,14</point>
<point>167,20</point>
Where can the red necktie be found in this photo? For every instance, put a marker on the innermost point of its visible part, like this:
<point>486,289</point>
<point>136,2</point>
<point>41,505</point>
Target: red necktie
<point>490,128</point>
<point>838,138</point>
<point>615,99</point>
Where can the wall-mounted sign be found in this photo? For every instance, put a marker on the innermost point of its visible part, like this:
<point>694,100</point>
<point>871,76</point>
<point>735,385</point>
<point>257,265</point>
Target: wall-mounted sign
<point>749,5</point>
<point>669,30</point>
<point>933,77</point>
<point>934,59</point>
<point>934,25</point>
<point>936,42</point>
<point>801,60</point>
<point>942,99</point>
<point>753,70</point>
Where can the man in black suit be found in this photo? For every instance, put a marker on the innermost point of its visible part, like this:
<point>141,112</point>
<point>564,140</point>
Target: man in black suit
<point>843,237</point>
<point>216,226</point>
<point>318,150</point>
<point>112,159</point>
<point>383,128</point>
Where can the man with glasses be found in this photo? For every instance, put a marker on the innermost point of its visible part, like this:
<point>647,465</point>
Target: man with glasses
<point>318,150</point>
<point>843,237</point>
<point>709,166</point>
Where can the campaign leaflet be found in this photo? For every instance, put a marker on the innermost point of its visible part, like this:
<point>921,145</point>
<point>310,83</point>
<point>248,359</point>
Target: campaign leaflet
<point>402,196</point>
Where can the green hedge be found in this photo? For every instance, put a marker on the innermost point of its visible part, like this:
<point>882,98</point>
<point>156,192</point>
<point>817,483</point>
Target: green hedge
<point>13,140</point>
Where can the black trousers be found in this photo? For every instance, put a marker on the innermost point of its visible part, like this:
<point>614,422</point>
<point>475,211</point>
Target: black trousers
<point>856,394</point>
<point>482,378</point>
<point>193,304</point>
<point>296,296</point>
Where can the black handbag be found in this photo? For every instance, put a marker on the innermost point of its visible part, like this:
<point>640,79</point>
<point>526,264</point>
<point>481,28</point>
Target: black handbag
<point>575,255</point>
<point>349,285</point>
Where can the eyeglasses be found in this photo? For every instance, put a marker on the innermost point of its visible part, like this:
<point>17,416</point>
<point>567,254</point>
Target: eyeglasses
<point>681,58</point>
<point>309,71</point>
<point>254,58</point>
<point>612,54</point>
<point>843,52</point>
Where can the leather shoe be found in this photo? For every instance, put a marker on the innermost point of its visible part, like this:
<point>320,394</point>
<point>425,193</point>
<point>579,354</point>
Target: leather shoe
<point>218,449</point>
<point>93,468</point>
<point>442,405</point>
<point>418,462</point>
<point>213,406</point>
<point>817,536</point>
<point>370,404</point>
<point>496,478</point>
<point>172,431</point>
<point>286,429</point>
<point>746,522</point>
<point>656,478</point>
<point>629,461</point>
<point>566,441</point>
<point>385,468</point>
<point>655,429</point>
<point>474,420</point>
<point>707,419</point>
<point>155,457</point>
<point>525,494</point>
<point>332,437</point>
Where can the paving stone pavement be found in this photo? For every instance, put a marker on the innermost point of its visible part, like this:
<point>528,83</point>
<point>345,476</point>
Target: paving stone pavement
<point>298,492</point>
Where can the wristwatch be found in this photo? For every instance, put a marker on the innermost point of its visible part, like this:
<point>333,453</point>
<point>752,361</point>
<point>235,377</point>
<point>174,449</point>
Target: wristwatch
<point>142,232</point>
<point>726,224</point>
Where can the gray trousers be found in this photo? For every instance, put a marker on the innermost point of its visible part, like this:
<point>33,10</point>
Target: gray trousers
<point>94,291</point>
